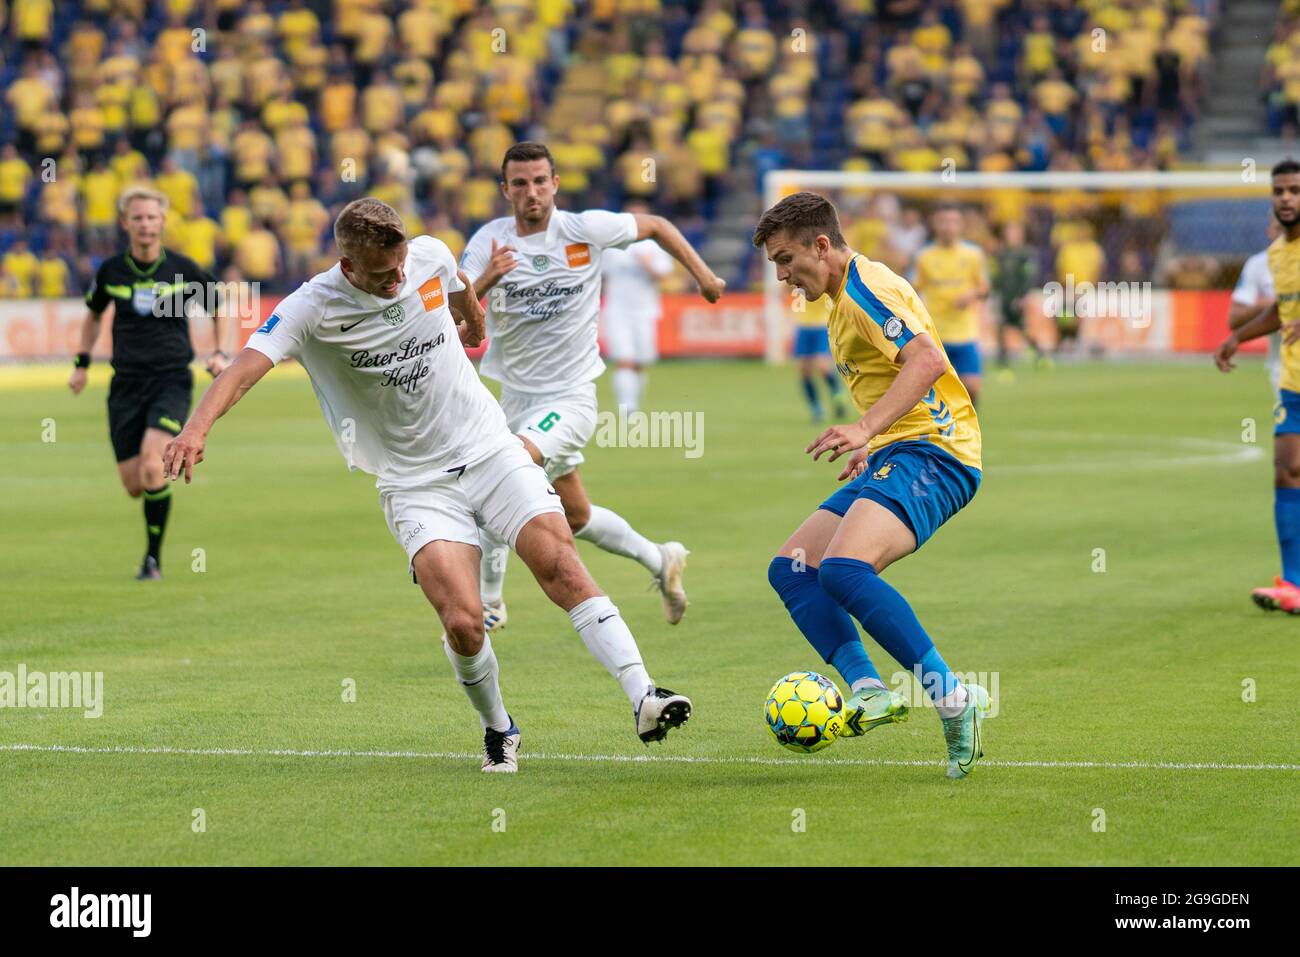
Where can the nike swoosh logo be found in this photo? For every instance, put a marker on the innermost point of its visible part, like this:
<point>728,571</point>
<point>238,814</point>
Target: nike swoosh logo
<point>353,326</point>
<point>551,491</point>
<point>601,621</point>
<point>470,684</point>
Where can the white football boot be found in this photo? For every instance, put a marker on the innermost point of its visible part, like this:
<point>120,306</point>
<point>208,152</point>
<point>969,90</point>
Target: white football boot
<point>494,616</point>
<point>501,750</point>
<point>669,580</point>
<point>659,712</point>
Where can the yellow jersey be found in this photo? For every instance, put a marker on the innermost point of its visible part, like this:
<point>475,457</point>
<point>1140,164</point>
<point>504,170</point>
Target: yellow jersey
<point>1284,265</point>
<point>942,276</point>
<point>875,313</point>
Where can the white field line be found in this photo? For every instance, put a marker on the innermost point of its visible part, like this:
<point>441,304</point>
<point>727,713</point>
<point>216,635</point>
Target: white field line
<point>643,759</point>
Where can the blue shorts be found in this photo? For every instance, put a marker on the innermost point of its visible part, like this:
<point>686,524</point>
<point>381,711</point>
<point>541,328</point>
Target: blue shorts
<point>916,480</point>
<point>811,341</point>
<point>1286,414</point>
<point>964,356</point>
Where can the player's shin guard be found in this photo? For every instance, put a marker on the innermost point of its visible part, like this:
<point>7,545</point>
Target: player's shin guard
<point>607,637</point>
<point>1286,516</point>
<point>492,567</point>
<point>478,675</point>
<point>611,531</point>
<point>889,619</point>
<point>826,625</point>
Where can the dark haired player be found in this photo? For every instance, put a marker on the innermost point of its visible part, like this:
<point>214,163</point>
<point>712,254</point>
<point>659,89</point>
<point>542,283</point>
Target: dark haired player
<point>1284,265</point>
<point>914,462</point>
<point>540,270</point>
<point>149,398</point>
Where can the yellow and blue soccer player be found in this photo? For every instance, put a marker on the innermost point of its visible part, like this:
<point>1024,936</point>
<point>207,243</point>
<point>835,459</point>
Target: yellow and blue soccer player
<point>914,460</point>
<point>1284,313</point>
<point>953,277</point>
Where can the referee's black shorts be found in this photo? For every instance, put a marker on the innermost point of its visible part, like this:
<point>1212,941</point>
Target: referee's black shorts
<point>139,402</point>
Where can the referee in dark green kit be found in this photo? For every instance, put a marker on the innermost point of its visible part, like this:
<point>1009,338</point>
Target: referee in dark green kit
<point>151,290</point>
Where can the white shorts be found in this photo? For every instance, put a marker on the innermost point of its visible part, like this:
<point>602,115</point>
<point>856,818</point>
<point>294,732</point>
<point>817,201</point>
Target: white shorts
<point>560,424</point>
<point>631,338</point>
<point>501,492</point>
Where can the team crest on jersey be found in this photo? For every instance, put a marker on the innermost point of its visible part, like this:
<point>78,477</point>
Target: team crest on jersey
<point>431,294</point>
<point>882,473</point>
<point>143,299</point>
<point>578,254</point>
<point>395,315</point>
<point>540,262</point>
<point>893,328</point>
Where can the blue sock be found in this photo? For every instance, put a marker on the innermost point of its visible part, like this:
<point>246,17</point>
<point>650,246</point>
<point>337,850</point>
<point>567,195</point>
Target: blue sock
<point>832,384</point>
<point>888,618</point>
<point>826,625</point>
<point>810,392</point>
<point>1286,516</point>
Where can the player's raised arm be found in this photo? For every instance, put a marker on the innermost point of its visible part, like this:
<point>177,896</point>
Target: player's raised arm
<point>468,312</point>
<point>921,363</point>
<point>186,450</point>
<point>499,261</point>
<point>671,241</point>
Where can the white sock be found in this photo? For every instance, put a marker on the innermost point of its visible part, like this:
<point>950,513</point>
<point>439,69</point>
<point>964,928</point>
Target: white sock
<point>950,706</point>
<point>607,637</point>
<point>627,389</point>
<point>492,567</point>
<point>478,676</point>
<point>862,683</point>
<point>610,531</point>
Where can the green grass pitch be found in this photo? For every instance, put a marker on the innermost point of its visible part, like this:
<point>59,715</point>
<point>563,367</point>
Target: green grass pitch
<point>1122,692</point>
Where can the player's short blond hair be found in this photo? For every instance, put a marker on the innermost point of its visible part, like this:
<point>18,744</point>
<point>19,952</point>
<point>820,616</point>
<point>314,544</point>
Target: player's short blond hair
<point>368,223</point>
<point>141,192</point>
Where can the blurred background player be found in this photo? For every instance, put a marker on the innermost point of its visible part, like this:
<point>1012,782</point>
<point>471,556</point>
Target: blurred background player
<point>632,306</point>
<point>812,350</point>
<point>540,269</point>
<point>1253,294</point>
<point>1284,267</point>
<point>1015,271</point>
<point>149,397</point>
<point>917,428</point>
<point>952,279</point>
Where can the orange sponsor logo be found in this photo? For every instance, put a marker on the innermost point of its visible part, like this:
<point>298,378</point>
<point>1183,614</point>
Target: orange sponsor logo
<point>579,254</point>
<point>431,294</point>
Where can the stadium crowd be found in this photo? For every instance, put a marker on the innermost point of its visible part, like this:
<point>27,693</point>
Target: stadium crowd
<point>259,120</point>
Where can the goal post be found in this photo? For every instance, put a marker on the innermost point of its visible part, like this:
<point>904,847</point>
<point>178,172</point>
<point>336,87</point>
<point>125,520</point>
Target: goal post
<point>1166,231</point>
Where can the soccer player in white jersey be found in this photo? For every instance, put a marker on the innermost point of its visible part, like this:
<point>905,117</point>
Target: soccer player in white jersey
<point>381,336</point>
<point>1252,295</point>
<point>630,317</point>
<point>540,272</point>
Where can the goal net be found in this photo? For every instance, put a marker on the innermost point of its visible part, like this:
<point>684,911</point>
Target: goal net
<point>1143,262</point>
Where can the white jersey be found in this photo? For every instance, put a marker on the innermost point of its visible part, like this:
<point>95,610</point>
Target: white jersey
<point>1255,283</point>
<point>630,274</point>
<point>1254,286</point>
<point>391,376</point>
<point>541,317</point>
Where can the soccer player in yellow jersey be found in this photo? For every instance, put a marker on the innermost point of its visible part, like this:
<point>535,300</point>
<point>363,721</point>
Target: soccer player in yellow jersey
<point>914,461</point>
<point>1284,313</point>
<point>951,274</point>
